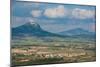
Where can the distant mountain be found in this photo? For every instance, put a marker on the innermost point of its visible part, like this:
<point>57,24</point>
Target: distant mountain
<point>31,29</point>
<point>77,31</point>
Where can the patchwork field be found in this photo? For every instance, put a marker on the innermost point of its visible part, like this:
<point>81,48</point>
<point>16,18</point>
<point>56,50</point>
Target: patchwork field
<point>53,52</point>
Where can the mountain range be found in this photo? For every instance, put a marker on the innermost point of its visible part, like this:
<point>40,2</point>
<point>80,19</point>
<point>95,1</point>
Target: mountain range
<point>34,29</point>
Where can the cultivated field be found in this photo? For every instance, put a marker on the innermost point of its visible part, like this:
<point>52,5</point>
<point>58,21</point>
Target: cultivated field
<point>53,52</point>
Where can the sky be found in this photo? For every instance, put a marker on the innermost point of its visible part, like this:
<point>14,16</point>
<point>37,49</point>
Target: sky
<point>53,17</point>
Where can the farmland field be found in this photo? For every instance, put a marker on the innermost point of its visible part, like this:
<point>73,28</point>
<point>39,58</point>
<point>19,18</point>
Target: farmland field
<point>53,52</point>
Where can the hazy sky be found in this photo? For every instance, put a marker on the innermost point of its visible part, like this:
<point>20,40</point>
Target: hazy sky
<point>53,17</point>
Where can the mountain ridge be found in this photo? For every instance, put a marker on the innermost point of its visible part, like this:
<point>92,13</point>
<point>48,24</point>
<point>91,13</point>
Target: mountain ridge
<point>76,31</point>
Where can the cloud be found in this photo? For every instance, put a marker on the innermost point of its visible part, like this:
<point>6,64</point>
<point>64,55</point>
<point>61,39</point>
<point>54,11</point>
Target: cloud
<point>36,13</point>
<point>32,20</point>
<point>75,13</point>
<point>56,12</point>
<point>82,13</point>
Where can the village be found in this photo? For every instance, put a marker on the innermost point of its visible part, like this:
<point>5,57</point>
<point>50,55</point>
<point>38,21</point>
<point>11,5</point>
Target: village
<point>45,53</point>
